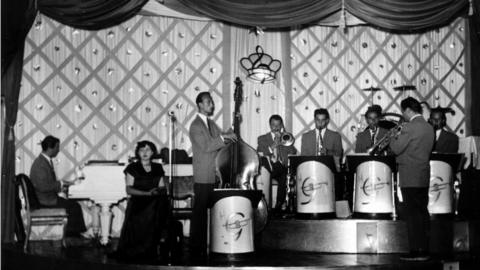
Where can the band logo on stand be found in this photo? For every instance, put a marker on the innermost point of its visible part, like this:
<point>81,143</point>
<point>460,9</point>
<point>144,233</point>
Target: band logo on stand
<point>235,224</point>
<point>369,188</point>
<point>309,188</point>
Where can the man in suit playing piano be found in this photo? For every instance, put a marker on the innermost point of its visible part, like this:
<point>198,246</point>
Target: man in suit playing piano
<point>207,139</point>
<point>47,187</point>
<point>445,141</point>
<point>412,147</point>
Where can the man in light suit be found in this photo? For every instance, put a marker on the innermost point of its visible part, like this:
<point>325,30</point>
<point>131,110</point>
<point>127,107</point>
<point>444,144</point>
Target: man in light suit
<point>275,159</point>
<point>321,140</point>
<point>47,187</point>
<point>207,139</point>
<point>412,148</point>
<point>372,133</point>
<point>445,141</point>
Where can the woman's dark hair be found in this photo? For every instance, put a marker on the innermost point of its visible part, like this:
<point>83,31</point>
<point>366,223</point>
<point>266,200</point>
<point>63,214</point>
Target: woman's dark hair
<point>142,144</point>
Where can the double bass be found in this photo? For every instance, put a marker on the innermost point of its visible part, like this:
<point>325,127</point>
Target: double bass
<point>238,163</point>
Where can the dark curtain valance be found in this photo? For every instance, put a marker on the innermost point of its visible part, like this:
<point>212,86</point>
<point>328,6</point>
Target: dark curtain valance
<point>274,14</point>
<point>402,15</point>
<point>90,14</point>
<point>398,15</point>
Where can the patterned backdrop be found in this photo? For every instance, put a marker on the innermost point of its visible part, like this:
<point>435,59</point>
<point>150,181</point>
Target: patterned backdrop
<point>102,91</point>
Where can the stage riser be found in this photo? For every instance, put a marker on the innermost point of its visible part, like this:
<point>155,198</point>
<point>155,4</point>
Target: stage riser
<point>364,236</point>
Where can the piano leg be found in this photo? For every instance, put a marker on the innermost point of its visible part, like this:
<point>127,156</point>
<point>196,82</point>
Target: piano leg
<point>95,219</point>
<point>105,220</point>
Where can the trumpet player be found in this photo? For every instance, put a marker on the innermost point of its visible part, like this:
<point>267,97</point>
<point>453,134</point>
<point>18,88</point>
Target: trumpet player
<point>274,150</point>
<point>412,147</point>
<point>367,138</point>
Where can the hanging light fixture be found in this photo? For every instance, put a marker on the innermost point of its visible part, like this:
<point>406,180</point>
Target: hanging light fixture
<point>260,67</point>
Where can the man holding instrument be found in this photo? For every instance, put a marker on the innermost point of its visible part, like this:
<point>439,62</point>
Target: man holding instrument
<point>412,147</point>
<point>207,139</point>
<point>275,156</point>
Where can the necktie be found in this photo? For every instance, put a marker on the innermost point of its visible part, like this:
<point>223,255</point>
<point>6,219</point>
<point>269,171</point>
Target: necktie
<point>53,169</point>
<point>320,150</point>
<point>209,127</point>
<point>372,135</point>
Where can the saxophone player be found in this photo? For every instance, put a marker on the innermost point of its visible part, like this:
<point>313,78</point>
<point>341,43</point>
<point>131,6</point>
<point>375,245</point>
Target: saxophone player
<point>274,155</point>
<point>367,138</point>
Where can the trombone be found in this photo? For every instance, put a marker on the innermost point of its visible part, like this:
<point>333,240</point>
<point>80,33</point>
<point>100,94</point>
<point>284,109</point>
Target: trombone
<point>379,146</point>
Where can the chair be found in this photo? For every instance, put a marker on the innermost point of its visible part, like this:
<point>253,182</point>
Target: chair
<point>182,186</point>
<point>32,214</point>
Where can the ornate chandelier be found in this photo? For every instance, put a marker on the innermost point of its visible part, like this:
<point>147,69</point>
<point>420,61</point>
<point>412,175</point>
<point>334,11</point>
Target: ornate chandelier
<point>260,67</point>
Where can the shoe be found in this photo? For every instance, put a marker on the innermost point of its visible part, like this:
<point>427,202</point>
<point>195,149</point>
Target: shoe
<point>415,256</point>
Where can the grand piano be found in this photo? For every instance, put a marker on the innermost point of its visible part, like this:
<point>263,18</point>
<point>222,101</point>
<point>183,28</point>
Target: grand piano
<point>104,184</point>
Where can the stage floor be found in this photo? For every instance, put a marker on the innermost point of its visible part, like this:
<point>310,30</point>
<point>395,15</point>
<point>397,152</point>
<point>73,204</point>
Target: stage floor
<point>89,255</point>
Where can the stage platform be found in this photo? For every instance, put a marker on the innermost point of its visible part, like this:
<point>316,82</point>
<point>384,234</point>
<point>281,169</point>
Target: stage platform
<point>47,255</point>
<point>366,236</point>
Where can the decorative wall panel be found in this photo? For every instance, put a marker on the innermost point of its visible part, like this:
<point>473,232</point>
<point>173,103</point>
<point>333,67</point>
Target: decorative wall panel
<point>100,92</point>
<point>330,68</point>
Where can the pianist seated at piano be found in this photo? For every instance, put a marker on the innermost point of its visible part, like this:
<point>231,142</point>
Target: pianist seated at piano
<point>47,187</point>
<point>147,208</point>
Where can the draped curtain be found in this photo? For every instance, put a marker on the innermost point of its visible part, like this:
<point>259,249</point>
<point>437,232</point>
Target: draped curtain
<point>474,29</point>
<point>399,15</point>
<point>261,101</point>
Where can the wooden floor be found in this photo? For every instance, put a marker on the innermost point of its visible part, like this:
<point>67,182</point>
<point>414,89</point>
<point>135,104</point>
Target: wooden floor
<point>87,255</point>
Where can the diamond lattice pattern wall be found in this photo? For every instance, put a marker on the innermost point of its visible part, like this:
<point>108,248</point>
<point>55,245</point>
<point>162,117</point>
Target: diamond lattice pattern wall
<point>100,92</point>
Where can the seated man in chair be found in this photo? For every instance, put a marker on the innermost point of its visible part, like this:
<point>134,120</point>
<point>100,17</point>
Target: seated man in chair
<point>275,156</point>
<point>47,187</point>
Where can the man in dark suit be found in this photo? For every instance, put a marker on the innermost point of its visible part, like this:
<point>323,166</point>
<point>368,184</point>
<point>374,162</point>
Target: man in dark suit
<point>372,133</point>
<point>47,187</point>
<point>445,141</point>
<point>322,141</point>
<point>275,156</point>
<point>413,146</point>
<point>207,139</point>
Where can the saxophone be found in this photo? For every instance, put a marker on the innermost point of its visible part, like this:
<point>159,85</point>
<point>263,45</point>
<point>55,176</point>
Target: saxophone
<point>378,147</point>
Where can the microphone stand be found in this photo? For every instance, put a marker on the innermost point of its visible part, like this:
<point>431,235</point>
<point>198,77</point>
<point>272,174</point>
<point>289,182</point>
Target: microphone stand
<point>171,117</point>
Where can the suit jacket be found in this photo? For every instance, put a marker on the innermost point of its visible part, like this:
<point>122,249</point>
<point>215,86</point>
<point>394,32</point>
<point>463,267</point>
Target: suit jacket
<point>205,147</point>
<point>265,141</point>
<point>447,142</point>
<point>44,181</point>
<point>364,140</point>
<point>332,142</point>
<point>413,147</point>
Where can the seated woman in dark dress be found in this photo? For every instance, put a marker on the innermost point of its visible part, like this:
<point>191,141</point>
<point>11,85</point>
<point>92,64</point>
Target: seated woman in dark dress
<point>147,210</point>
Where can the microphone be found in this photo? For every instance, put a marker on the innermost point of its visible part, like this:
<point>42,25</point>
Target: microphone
<point>171,114</point>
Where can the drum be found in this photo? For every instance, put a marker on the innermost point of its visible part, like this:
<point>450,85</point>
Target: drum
<point>231,221</point>
<point>315,190</point>
<point>373,194</point>
<point>263,183</point>
<point>440,192</point>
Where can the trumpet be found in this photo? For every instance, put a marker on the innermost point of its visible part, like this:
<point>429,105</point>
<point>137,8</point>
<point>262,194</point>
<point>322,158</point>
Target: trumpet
<point>381,144</point>
<point>286,139</point>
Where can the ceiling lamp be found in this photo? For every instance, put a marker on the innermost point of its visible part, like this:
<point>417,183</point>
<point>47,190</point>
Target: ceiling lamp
<point>260,67</point>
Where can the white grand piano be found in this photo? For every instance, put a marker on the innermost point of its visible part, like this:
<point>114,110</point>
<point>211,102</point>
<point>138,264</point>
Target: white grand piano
<point>104,184</point>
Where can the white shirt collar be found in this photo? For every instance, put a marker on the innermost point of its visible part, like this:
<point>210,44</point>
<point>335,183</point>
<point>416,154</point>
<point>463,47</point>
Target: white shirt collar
<point>437,133</point>
<point>323,132</point>
<point>415,116</point>
<point>204,118</point>
<point>49,159</point>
